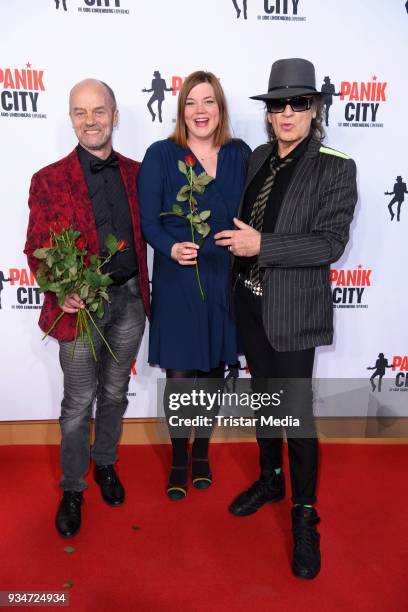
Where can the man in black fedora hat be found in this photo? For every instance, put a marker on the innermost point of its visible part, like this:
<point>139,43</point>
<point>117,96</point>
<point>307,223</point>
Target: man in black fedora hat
<point>296,209</point>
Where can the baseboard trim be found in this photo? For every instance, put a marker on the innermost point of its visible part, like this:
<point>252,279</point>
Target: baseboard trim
<point>154,431</point>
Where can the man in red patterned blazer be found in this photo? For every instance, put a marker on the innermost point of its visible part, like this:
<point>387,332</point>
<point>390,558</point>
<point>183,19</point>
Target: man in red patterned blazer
<point>95,189</point>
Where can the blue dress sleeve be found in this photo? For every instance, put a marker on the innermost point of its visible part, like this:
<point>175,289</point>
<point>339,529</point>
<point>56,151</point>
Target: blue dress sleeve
<point>150,187</point>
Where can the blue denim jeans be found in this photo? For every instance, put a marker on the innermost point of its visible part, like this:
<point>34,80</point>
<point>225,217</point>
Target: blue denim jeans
<point>105,380</point>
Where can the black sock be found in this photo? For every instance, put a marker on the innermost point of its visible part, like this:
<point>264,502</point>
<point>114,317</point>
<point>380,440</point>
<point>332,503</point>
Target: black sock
<point>200,448</point>
<point>180,451</point>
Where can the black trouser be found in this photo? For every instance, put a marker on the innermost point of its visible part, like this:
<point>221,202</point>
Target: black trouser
<point>265,363</point>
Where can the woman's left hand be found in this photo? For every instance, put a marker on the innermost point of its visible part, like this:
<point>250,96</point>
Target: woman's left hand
<point>243,242</point>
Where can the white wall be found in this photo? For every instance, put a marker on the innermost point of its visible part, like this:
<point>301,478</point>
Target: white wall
<point>348,41</point>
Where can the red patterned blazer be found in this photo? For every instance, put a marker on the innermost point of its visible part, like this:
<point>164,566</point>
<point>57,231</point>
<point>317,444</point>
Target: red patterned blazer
<point>60,190</point>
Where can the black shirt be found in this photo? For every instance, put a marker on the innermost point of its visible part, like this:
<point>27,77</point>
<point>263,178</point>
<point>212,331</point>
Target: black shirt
<point>278,191</point>
<point>279,187</point>
<point>112,214</point>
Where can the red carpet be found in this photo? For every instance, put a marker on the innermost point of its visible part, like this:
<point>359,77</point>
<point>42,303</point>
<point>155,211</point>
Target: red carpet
<point>193,555</point>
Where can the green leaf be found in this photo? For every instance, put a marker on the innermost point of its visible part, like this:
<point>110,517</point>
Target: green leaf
<point>105,280</point>
<point>93,307</point>
<point>198,188</point>
<point>207,229</point>
<point>111,244</point>
<point>70,261</point>
<point>50,260</point>
<point>42,281</point>
<point>69,549</point>
<point>177,209</point>
<point>68,585</point>
<point>100,310</point>
<point>183,194</point>
<point>204,178</point>
<point>171,214</point>
<point>203,229</point>
<point>41,253</point>
<point>73,270</point>
<point>93,260</point>
<point>204,215</point>
<point>54,287</point>
<point>83,293</point>
<point>93,278</point>
<point>182,167</point>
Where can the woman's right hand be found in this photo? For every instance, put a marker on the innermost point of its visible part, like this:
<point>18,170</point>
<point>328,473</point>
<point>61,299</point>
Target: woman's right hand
<point>185,253</point>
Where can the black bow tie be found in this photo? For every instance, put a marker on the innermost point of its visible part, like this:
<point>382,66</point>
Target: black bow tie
<point>100,164</point>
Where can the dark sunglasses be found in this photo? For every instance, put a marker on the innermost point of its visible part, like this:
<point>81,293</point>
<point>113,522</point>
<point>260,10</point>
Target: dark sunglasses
<point>298,104</point>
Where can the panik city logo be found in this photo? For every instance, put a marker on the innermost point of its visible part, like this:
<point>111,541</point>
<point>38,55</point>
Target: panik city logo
<point>273,10</point>
<point>398,366</point>
<point>362,102</point>
<point>349,287</point>
<point>281,10</point>
<point>107,7</point>
<point>22,291</point>
<point>21,94</point>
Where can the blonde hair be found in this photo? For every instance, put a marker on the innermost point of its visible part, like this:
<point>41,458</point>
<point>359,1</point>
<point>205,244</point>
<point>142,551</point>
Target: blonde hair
<point>222,134</point>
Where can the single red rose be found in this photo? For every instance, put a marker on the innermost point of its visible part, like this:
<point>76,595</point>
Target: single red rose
<point>64,223</point>
<point>190,160</point>
<point>60,225</point>
<point>55,227</point>
<point>48,244</point>
<point>122,244</point>
<point>80,243</point>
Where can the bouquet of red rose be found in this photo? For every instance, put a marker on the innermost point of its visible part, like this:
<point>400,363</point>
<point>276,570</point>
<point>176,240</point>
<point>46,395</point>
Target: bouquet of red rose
<point>63,270</point>
<point>196,219</point>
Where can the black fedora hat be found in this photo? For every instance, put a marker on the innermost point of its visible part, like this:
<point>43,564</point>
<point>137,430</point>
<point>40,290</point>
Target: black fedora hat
<point>290,77</point>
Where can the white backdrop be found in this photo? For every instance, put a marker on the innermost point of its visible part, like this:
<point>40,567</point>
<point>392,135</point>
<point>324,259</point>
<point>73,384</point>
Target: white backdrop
<point>123,42</point>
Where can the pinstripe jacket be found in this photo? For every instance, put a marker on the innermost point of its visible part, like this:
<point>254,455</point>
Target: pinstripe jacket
<point>311,232</point>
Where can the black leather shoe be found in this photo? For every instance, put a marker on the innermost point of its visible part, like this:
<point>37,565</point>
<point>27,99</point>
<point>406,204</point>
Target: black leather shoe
<point>68,519</point>
<point>306,551</point>
<point>111,488</point>
<point>266,490</point>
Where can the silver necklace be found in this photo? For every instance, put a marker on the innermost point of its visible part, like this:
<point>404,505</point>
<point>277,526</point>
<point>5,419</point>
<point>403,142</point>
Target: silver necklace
<point>207,156</point>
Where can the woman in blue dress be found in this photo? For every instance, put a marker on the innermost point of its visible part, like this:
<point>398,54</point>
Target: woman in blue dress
<point>192,334</point>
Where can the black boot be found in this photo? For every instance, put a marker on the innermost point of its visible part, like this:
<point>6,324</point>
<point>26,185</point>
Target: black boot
<point>306,551</point>
<point>68,519</point>
<point>269,488</point>
<point>111,488</point>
